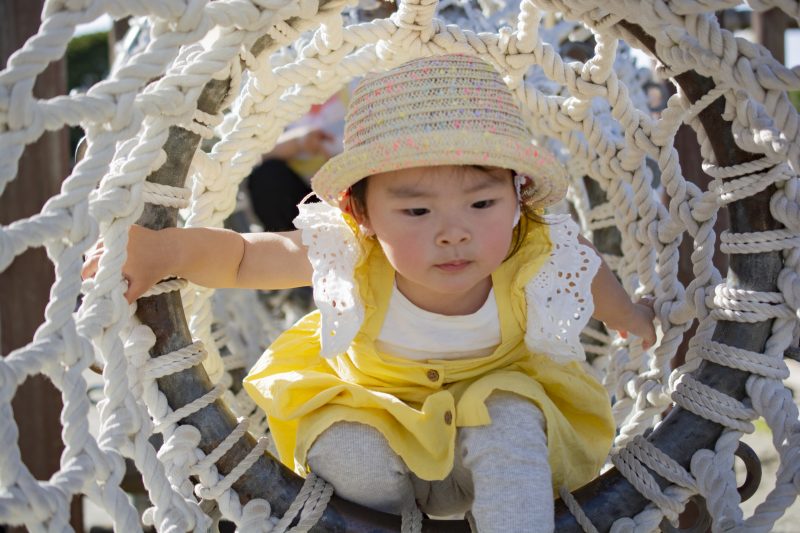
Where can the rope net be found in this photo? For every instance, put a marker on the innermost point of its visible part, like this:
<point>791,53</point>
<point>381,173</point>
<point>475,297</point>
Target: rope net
<point>239,71</point>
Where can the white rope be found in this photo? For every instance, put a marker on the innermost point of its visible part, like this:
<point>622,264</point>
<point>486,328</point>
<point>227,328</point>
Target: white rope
<point>225,484</point>
<point>645,483</point>
<point>189,409</point>
<point>748,306</point>
<point>163,287</point>
<point>174,362</point>
<point>746,360</point>
<point>411,520</point>
<point>591,113</point>
<point>576,510</point>
<point>709,403</point>
<point>310,502</point>
<point>223,447</point>
<point>765,241</point>
<point>166,195</point>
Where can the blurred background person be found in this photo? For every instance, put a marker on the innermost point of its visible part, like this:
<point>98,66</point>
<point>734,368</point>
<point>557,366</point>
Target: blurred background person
<point>282,180</point>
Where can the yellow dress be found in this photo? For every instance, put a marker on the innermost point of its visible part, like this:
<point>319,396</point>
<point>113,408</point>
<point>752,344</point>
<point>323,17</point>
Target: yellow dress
<point>418,405</point>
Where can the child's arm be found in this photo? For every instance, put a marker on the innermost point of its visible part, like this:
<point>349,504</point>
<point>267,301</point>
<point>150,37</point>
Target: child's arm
<point>210,257</point>
<point>614,307</point>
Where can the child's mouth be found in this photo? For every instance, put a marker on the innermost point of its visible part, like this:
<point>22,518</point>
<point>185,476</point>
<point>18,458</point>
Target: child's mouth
<point>453,266</point>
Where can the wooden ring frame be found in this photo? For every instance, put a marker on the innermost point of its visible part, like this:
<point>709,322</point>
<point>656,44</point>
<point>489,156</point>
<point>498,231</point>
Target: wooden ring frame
<point>605,499</point>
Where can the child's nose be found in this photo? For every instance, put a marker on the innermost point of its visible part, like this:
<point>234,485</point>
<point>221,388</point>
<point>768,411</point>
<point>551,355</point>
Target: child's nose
<point>452,234</point>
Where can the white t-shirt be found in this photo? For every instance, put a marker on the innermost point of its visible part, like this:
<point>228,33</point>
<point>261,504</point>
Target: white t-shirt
<point>413,333</point>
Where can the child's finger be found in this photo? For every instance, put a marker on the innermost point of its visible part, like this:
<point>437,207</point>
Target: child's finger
<point>130,294</point>
<point>136,289</point>
<point>89,268</point>
<point>90,259</point>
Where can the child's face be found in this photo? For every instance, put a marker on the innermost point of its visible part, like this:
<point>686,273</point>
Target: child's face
<point>444,229</point>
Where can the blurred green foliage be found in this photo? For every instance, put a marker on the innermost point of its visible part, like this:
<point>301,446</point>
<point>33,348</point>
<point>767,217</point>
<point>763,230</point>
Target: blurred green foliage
<point>794,96</point>
<point>87,63</point>
<point>87,60</point>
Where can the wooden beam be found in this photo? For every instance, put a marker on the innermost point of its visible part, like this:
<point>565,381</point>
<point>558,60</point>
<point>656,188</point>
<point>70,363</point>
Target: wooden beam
<point>769,28</point>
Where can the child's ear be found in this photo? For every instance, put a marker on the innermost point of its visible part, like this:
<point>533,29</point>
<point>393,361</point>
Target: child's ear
<point>363,222</point>
<point>347,205</point>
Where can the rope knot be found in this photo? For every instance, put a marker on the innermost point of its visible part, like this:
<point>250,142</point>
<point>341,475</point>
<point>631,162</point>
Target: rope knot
<point>416,16</point>
<point>255,516</point>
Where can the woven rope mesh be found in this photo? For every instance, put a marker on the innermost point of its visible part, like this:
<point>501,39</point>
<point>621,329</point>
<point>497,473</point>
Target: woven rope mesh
<point>235,73</point>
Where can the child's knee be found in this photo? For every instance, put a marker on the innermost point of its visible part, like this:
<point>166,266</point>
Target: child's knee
<point>509,409</point>
<point>357,460</point>
<point>518,428</point>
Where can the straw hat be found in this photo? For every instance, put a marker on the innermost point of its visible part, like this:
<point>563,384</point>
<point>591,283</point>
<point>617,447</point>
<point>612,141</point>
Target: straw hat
<point>444,110</point>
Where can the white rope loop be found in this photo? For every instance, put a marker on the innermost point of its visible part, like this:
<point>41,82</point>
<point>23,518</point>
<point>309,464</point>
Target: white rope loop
<point>310,502</point>
<point>163,287</point>
<point>649,455</point>
<point>174,362</point>
<point>708,402</point>
<point>411,520</point>
<point>216,491</point>
<point>189,409</point>
<point>576,510</point>
<point>740,359</point>
<point>760,242</point>
<point>223,447</point>
<point>166,195</point>
<point>630,466</point>
<point>748,306</point>
<point>748,185</point>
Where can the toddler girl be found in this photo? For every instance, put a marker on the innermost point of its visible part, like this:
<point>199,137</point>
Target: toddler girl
<point>442,368</point>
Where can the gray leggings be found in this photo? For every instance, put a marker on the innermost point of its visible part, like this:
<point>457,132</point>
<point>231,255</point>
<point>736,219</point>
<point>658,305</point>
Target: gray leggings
<point>500,474</point>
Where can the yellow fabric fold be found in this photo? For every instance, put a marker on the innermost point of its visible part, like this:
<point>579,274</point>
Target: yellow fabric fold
<point>418,405</point>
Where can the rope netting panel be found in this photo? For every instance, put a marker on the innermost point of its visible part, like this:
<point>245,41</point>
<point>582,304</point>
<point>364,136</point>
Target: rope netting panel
<point>226,70</point>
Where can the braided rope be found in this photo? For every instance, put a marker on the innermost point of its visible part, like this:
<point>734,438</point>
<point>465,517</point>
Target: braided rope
<point>576,510</point>
<point>173,362</point>
<point>127,118</point>
<point>190,408</point>
<point>411,521</point>
<point>163,287</point>
<point>711,404</point>
<point>215,491</point>
<point>314,490</point>
<point>165,195</point>
<point>645,483</point>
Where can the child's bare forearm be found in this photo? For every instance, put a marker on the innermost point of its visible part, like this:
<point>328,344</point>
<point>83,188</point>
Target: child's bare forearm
<point>613,306</point>
<point>274,261</point>
<point>209,257</point>
<point>221,258</point>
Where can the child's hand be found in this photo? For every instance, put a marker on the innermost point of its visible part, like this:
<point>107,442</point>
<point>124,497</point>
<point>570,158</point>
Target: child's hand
<point>639,321</point>
<point>299,142</point>
<point>148,261</point>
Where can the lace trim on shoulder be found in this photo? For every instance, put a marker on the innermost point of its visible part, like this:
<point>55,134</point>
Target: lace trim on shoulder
<point>559,297</point>
<point>333,251</point>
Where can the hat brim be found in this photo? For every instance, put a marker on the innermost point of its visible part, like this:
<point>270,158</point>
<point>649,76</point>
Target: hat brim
<point>444,148</point>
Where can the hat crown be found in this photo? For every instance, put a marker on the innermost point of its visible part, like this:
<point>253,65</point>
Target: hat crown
<point>443,110</point>
<point>436,94</point>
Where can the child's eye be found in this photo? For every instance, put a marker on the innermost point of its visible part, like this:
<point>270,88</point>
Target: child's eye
<point>416,211</point>
<point>483,204</point>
